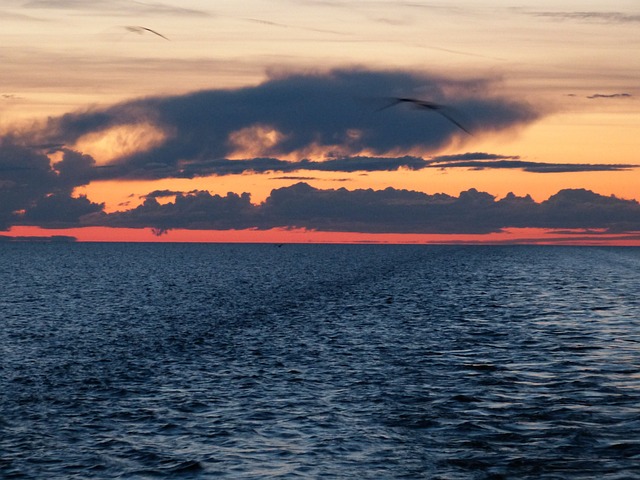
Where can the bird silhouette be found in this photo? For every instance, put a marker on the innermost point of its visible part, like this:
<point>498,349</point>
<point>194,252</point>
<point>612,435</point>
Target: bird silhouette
<point>141,30</point>
<point>436,107</point>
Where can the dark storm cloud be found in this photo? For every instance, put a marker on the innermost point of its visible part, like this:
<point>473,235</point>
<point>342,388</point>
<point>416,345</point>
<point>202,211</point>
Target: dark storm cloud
<point>32,189</point>
<point>382,211</point>
<point>307,110</point>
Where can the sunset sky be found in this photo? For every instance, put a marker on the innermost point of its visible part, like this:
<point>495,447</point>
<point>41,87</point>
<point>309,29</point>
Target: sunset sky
<point>275,120</point>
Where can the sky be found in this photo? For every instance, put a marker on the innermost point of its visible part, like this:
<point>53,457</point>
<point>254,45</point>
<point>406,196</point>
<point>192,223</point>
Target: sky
<point>321,121</point>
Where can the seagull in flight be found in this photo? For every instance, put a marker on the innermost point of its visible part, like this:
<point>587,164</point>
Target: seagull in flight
<point>436,107</point>
<point>141,30</point>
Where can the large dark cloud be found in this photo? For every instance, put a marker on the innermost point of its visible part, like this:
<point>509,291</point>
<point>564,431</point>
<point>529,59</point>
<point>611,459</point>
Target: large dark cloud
<point>59,210</point>
<point>25,175</point>
<point>35,192</point>
<point>331,110</point>
<point>389,210</point>
<point>335,109</point>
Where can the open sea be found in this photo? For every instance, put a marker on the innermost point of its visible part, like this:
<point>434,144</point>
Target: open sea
<point>152,361</point>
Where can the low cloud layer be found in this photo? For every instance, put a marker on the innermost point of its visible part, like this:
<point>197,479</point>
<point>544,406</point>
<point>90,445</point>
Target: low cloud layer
<point>378,211</point>
<point>476,161</point>
<point>36,191</point>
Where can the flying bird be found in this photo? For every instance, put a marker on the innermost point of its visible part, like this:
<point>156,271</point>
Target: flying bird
<point>436,107</point>
<point>141,30</point>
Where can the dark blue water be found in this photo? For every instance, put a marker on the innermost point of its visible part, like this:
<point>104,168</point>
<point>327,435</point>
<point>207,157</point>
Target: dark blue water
<point>252,361</point>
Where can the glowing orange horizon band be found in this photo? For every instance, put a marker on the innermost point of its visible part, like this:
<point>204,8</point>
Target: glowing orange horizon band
<point>533,236</point>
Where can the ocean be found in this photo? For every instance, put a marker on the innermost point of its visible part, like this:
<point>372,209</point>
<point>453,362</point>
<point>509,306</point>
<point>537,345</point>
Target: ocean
<point>319,361</point>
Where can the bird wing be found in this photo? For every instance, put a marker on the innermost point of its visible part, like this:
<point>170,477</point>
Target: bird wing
<point>441,109</point>
<point>392,103</point>
<point>138,29</point>
<point>154,32</point>
<point>452,120</point>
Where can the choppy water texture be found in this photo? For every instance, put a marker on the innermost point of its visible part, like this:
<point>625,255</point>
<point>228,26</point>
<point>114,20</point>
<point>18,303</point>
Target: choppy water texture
<point>253,361</point>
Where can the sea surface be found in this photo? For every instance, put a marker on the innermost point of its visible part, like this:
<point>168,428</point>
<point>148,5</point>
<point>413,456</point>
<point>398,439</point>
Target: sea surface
<point>319,361</point>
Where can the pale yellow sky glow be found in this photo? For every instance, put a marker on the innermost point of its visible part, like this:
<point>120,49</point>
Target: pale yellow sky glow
<point>575,62</point>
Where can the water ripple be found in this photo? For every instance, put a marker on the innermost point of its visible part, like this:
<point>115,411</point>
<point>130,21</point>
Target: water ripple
<point>240,361</point>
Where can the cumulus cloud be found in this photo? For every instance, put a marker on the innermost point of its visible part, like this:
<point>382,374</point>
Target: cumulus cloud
<point>377,211</point>
<point>198,210</point>
<point>34,191</point>
<point>580,208</point>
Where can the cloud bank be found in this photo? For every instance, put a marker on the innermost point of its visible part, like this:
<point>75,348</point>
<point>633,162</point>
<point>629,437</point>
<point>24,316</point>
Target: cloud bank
<point>378,211</point>
<point>34,192</point>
